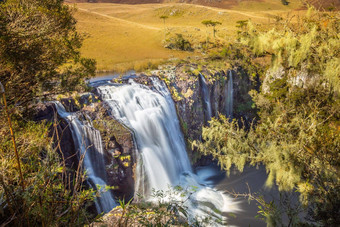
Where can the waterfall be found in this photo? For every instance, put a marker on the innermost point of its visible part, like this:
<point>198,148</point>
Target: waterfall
<point>205,95</point>
<point>89,143</point>
<point>157,131</point>
<point>151,115</point>
<point>229,94</point>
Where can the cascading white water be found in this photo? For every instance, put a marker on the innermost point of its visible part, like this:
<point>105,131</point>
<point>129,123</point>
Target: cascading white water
<point>156,128</point>
<point>229,94</point>
<point>205,98</point>
<point>88,142</point>
<point>152,116</point>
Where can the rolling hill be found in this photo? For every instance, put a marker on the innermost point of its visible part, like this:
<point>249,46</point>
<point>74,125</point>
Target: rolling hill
<point>131,36</point>
<point>226,4</point>
<point>212,3</point>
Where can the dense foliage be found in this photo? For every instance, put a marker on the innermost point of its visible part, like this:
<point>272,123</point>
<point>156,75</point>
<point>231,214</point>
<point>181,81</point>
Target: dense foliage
<point>39,55</point>
<point>39,49</point>
<point>52,194</point>
<point>310,45</point>
<point>297,134</point>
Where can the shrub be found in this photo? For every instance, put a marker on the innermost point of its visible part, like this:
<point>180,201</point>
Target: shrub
<point>179,43</point>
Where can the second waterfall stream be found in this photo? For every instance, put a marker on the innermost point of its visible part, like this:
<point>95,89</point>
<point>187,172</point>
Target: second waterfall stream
<point>88,142</point>
<point>163,162</point>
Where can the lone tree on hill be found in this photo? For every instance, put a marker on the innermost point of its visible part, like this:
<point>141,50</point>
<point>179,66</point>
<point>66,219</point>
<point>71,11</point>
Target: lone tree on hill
<point>164,17</point>
<point>213,24</point>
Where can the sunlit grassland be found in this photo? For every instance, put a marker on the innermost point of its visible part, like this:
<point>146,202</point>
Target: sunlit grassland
<point>122,37</point>
<point>117,45</point>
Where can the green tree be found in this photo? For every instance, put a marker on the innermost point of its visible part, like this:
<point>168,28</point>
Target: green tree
<point>213,24</point>
<point>39,52</point>
<point>164,17</point>
<point>297,134</point>
<point>39,49</point>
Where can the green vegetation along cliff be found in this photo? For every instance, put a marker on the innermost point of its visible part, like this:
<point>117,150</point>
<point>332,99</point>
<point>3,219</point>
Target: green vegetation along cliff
<point>297,133</point>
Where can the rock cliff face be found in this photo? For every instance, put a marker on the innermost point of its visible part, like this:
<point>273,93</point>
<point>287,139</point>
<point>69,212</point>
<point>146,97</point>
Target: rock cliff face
<point>119,150</point>
<point>60,132</point>
<point>191,91</point>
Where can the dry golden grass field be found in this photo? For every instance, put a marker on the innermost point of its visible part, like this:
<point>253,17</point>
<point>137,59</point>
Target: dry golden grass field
<point>122,36</point>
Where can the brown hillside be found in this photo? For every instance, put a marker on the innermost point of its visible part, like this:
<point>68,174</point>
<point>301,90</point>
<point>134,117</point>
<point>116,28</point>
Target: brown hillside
<point>213,3</point>
<point>320,4</point>
<point>325,4</point>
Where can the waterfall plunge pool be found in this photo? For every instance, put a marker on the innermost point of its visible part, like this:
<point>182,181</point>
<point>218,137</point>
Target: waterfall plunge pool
<point>250,179</point>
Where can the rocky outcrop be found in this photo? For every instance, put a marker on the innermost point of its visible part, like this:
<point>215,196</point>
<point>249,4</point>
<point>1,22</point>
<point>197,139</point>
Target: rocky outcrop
<point>119,150</point>
<point>244,109</point>
<point>76,103</point>
<point>188,93</point>
<point>192,90</point>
